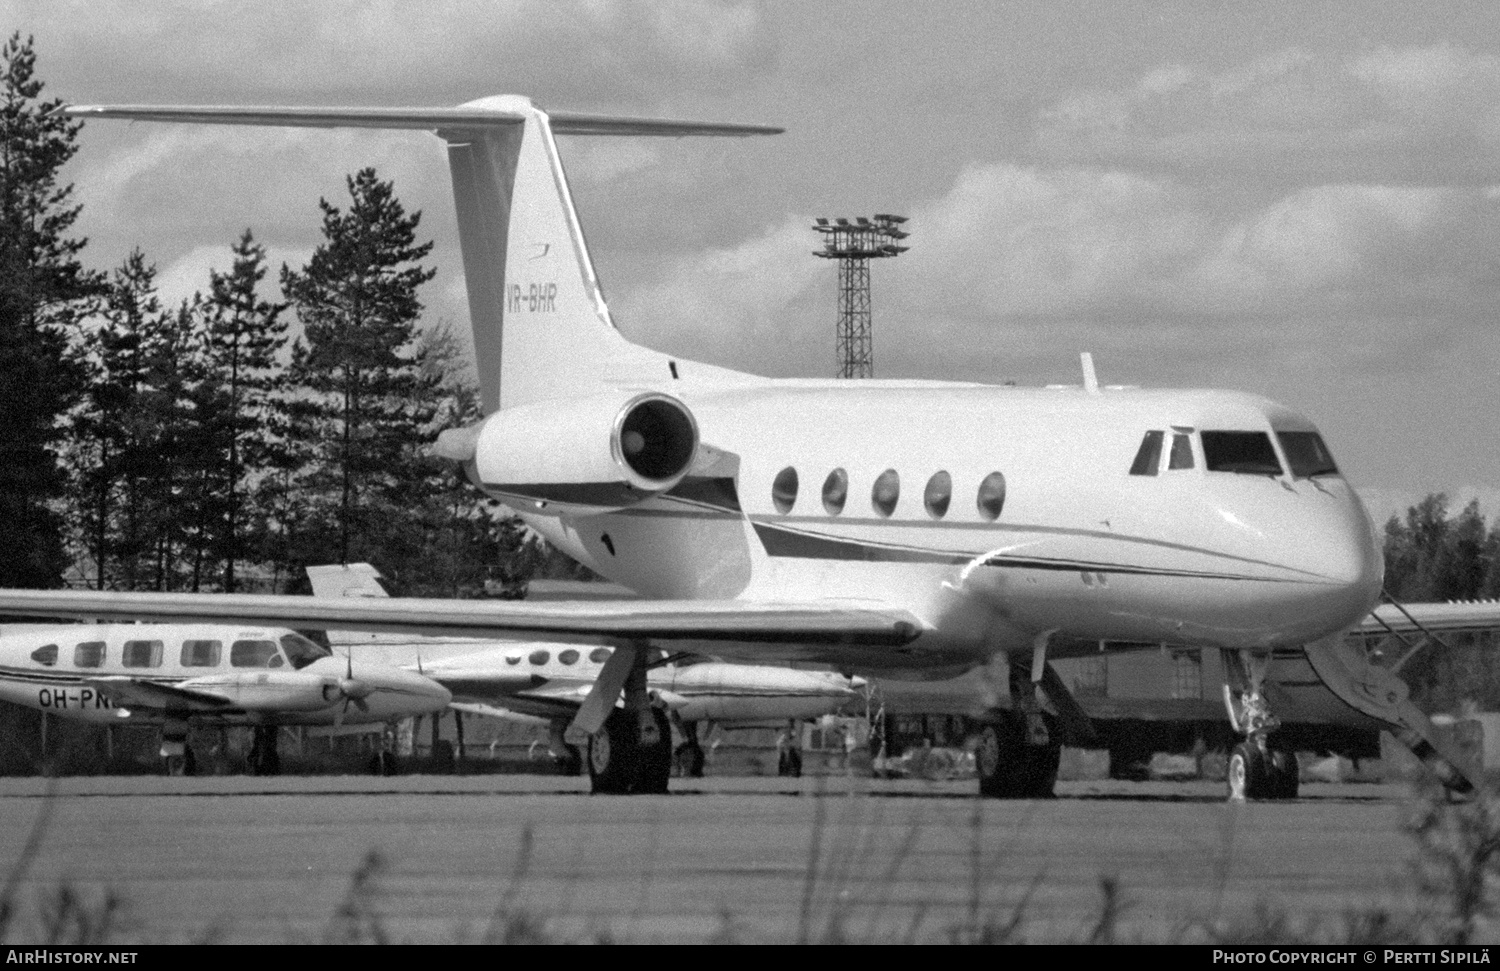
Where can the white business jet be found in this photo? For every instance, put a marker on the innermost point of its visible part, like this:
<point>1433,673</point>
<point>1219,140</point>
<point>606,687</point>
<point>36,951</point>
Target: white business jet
<point>894,527</point>
<point>541,680</point>
<point>179,676</point>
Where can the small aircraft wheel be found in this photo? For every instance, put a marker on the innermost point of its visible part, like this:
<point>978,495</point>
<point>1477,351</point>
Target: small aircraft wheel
<point>690,761</point>
<point>177,765</point>
<point>189,761</point>
<point>1007,765</point>
<point>655,761</point>
<point>791,766</point>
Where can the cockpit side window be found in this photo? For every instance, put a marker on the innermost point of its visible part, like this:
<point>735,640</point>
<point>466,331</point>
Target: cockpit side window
<point>1182,451</point>
<point>1306,454</point>
<point>1246,453</point>
<point>301,651</point>
<point>1148,457</point>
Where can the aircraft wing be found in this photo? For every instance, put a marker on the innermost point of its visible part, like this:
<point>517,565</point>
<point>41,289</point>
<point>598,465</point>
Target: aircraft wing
<point>1477,615</point>
<point>135,693</point>
<point>829,622</point>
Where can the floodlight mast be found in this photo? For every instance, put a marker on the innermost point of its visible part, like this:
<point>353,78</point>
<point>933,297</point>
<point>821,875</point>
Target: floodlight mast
<point>854,245</point>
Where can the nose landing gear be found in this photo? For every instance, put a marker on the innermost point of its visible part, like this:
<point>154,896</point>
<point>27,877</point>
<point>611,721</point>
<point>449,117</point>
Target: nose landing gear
<point>1256,771</point>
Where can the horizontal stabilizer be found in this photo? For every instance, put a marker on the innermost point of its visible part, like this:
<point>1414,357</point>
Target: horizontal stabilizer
<point>421,119</point>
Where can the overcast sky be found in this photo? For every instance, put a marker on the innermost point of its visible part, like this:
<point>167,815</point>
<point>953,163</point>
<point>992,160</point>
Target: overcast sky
<point>1296,199</point>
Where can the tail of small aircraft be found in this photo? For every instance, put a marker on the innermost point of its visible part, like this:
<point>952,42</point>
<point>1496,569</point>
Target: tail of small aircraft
<point>541,327</point>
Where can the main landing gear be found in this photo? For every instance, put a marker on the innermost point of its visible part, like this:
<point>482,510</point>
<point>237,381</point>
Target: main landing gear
<point>177,755</point>
<point>1019,751</point>
<point>1256,770</point>
<point>265,758</point>
<point>631,752</point>
<point>688,759</point>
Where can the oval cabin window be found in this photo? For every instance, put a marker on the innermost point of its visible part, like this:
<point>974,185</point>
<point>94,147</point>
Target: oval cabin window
<point>938,495</point>
<point>569,656</point>
<point>539,657</point>
<point>784,490</point>
<point>886,493</point>
<point>991,496</point>
<point>835,491</point>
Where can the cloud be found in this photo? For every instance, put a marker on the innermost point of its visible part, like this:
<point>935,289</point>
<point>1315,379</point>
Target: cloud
<point>1388,115</point>
<point>743,305</point>
<point>457,49</point>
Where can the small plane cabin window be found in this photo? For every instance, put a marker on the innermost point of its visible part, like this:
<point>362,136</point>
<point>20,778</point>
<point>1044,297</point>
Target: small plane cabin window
<point>1245,453</point>
<point>254,654</point>
<point>569,656</point>
<point>599,655</point>
<point>89,654</point>
<point>886,492</point>
<point>1182,451</point>
<point>991,498</point>
<point>784,490</point>
<point>835,491</point>
<point>301,651</point>
<point>45,655</point>
<point>938,495</point>
<point>513,659</point>
<point>141,654</point>
<point>539,657</point>
<point>1148,458</point>
<point>1306,454</point>
<point>201,654</point>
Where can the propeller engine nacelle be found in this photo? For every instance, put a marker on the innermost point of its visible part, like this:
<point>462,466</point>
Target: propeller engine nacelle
<point>587,455</point>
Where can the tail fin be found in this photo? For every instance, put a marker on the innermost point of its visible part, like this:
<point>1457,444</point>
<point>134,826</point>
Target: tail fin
<point>347,580</point>
<point>541,326</point>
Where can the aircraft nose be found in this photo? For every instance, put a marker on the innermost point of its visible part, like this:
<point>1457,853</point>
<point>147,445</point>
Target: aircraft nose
<point>1336,543</point>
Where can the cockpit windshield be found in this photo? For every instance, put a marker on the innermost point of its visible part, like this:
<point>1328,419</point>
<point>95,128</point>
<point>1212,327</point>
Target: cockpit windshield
<point>1245,453</point>
<point>301,651</point>
<point>1306,454</point>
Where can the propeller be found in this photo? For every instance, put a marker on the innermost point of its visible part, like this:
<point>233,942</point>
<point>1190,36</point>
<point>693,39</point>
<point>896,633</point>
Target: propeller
<point>353,691</point>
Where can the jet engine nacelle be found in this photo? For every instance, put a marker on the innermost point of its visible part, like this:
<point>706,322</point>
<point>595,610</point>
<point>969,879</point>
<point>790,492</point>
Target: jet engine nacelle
<point>588,455</point>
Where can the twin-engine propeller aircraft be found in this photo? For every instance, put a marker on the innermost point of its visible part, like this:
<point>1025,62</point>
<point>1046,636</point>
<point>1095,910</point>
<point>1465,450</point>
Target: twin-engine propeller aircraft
<point>908,527</point>
<point>550,682</point>
<point>179,676</point>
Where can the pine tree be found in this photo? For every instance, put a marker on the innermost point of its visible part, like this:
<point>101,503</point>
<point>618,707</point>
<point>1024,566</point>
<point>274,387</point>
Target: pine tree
<point>244,337</point>
<point>361,402</point>
<point>43,286</point>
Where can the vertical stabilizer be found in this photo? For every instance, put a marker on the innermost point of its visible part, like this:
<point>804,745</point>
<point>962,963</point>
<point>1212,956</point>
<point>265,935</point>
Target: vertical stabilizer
<point>541,327</point>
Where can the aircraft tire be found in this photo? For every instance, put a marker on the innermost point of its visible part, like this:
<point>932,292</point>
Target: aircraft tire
<point>613,755</point>
<point>789,764</point>
<point>1011,768</point>
<point>1249,776</point>
<point>690,761</point>
<point>655,761</point>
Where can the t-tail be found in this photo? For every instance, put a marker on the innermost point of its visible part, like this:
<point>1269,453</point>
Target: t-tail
<point>541,327</point>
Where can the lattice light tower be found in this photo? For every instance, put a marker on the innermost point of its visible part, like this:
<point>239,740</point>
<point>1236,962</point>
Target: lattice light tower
<point>854,245</point>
